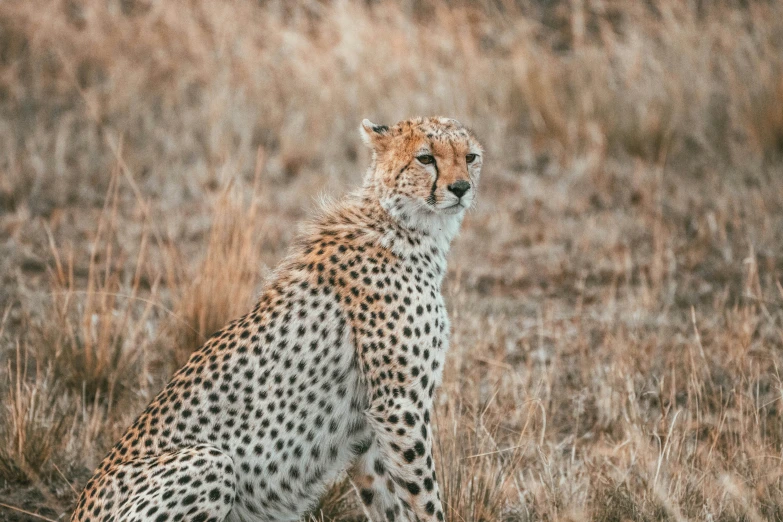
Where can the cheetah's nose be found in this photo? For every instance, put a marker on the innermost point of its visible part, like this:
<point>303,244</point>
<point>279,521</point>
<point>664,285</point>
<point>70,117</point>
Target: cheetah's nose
<point>458,188</point>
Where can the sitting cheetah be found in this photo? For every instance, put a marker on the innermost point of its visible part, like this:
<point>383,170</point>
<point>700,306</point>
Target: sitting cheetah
<point>333,370</point>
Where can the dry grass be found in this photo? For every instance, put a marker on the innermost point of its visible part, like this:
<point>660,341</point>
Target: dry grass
<point>616,297</point>
<point>223,287</point>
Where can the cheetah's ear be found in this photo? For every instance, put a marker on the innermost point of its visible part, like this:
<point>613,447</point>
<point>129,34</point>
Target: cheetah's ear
<point>374,136</point>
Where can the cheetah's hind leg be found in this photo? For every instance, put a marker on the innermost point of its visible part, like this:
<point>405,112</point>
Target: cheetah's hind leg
<point>192,484</point>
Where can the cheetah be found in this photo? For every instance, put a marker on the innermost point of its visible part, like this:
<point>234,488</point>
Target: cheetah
<point>332,372</point>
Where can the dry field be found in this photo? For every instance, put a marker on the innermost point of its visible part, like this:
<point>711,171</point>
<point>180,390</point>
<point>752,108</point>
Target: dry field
<point>616,296</point>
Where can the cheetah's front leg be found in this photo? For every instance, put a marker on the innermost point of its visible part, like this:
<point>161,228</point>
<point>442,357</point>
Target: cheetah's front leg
<point>377,491</point>
<point>396,478</point>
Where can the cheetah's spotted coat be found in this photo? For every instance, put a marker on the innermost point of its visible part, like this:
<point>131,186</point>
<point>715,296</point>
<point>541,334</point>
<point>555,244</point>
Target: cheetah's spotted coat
<point>333,370</point>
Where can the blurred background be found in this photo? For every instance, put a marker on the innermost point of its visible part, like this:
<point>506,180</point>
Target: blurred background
<point>615,297</point>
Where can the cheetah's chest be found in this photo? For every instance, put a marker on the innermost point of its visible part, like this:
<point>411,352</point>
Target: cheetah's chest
<point>401,324</point>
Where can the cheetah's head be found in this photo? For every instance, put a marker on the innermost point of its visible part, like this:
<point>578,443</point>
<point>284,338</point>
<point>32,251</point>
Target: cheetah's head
<point>425,170</point>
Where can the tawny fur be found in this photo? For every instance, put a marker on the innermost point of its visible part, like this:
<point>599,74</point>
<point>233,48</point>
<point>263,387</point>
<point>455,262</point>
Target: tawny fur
<point>334,369</point>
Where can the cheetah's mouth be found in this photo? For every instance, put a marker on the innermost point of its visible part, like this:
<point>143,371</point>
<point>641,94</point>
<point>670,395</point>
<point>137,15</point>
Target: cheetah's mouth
<point>454,209</point>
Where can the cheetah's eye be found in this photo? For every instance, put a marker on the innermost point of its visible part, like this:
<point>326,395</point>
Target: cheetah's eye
<point>426,159</point>
<point>470,158</point>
